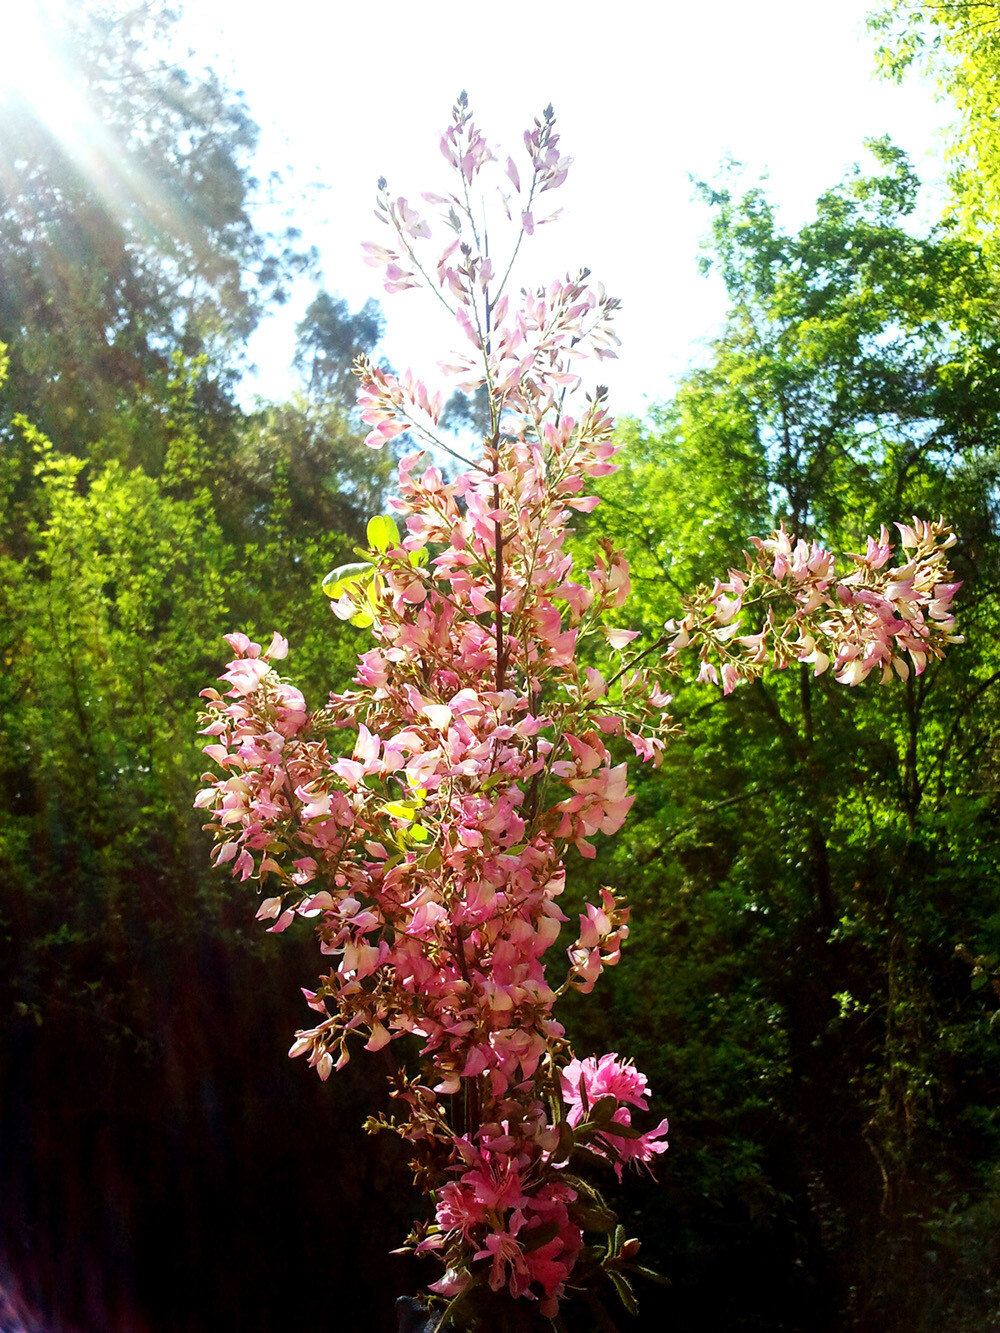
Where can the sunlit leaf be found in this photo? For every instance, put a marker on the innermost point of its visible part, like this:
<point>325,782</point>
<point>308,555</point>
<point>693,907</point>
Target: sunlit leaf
<point>399,811</point>
<point>382,533</point>
<point>339,580</point>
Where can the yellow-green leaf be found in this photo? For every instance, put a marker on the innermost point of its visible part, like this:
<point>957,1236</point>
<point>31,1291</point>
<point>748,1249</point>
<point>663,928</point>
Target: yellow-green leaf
<point>343,577</point>
<point>399,811</point>
<point>382,533</point>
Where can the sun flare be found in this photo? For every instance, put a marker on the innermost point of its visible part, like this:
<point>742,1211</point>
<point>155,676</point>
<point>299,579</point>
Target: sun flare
<point>35,68</point>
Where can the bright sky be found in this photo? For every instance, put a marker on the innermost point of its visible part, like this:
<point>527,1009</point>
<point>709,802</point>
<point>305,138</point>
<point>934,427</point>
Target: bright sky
<point>646,94</point>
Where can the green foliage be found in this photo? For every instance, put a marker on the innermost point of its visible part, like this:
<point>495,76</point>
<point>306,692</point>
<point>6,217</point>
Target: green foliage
<point>115,588</point>
<point>143,515</point>
<point>958,44</point>
<point>296,498</point>
<point>808,858</point>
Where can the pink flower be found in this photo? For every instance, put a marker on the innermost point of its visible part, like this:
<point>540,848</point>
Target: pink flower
<point>585,1082</point>
<point>641,1150</point>
<point>596,1078</point>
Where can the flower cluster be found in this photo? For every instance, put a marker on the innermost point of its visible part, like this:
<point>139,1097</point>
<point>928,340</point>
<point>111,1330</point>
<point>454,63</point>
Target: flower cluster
<point>521,1227</point>
<point>429,847</point>
<point>587,1084</point>
<point>873,618</point>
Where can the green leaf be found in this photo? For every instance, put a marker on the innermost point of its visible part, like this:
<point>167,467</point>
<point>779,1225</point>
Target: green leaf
<point>619,1131</point>
<point>567,1140</point>
<point>382,533</point>
<point>538,1236</point>
<point>602,1110</point>
<point>399,811</point>
<point>650,1275</point>
<point>594,1218</point>
<point>624,1291</point>
<point>596,1161</point>
<point>343,577</point>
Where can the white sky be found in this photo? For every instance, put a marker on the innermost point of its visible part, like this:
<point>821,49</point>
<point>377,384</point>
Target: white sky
<point>645,94</point>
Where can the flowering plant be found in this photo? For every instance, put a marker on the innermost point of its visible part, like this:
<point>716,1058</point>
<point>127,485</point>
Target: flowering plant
<point>430,850</point>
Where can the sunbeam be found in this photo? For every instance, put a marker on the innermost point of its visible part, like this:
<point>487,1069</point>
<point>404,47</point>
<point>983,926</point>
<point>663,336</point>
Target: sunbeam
<point>62,100</point>
<point>35,68</point>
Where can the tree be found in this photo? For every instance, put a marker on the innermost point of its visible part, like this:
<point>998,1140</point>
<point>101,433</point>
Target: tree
<point>329,339</point>
<point>958,43</point>
<point>133,996</point>
<point>132,266</point>
<point>805,862</point>
<point>127,228</point>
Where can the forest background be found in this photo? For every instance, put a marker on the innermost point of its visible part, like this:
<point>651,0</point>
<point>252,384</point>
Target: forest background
<point>811,981</point>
